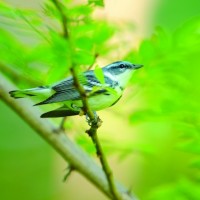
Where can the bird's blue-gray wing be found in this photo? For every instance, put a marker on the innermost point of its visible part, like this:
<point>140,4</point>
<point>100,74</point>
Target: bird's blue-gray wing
<point>66,91</point>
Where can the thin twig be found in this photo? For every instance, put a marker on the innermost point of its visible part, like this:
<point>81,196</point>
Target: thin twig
<point>69,170</point>
<point>58,5</point>
<point>62,123</point>
<point>95,121</point>
<point>92,132</point>
<point>83,95</point>
<point>95,57</point>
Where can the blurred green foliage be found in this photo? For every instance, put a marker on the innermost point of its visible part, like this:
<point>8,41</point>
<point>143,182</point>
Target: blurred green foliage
<point>49,55</point>
<point>169,113</point>
<point>173,13</point>
<point>168,116</point>
<point>26,160</point>
<point>166,119</point>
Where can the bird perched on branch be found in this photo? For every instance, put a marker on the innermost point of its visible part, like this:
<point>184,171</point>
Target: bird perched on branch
<point>103,88</point>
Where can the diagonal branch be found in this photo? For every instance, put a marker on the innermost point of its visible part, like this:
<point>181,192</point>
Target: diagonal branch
<point>76,157</point>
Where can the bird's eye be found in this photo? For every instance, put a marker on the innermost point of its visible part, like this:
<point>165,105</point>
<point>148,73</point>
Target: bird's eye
<point>122,66</point>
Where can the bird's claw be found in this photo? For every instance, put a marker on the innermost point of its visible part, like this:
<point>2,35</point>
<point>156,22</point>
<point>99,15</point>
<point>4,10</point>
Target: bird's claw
<point>94,122</point>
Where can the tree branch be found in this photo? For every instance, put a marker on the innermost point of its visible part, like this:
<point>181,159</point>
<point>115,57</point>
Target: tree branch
<point>95,121</point>
<point>92,132</point>
<point>76,157</point>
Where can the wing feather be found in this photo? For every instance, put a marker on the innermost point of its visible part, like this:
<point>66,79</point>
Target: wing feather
<point>59,112</point>
<point>65,89</point>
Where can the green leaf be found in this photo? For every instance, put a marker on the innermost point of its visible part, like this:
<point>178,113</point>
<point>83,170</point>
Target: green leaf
<point>147,51</point>
<point>111,91</point>
<point>99,74</point>
<point>81,57</point>
<point>96,2</point>
<point>80,12</point>
<point>84,43</point>
<point>188,34</point>
<point>102,33</point>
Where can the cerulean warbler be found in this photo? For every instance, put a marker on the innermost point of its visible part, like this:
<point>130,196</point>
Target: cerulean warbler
<point>101,94</point>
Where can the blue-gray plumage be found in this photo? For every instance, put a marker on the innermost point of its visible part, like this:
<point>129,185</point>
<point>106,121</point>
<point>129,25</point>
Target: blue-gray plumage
<point>100,95</point>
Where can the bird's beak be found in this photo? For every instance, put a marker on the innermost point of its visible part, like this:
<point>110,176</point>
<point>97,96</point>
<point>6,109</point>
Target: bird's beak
<point>137,66</point>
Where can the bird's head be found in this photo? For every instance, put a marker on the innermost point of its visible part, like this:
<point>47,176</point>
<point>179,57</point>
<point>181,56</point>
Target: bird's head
<point>121,71</point>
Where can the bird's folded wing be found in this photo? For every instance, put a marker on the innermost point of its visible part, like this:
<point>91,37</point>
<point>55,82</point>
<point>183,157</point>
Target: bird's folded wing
<point>66,91</point>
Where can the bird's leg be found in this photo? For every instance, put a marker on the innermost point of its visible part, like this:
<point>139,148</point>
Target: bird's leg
<point>96,121</point>
<point>89,121</point>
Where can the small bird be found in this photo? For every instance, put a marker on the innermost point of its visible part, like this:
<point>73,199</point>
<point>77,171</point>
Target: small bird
<point>101,93</point>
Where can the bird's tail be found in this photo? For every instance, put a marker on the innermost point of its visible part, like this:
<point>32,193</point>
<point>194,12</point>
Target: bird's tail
<point>38,91</point>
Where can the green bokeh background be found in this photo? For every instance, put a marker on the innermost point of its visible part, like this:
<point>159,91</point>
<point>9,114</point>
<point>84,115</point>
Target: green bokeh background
<point>26,160</point>
<point>27,163</point>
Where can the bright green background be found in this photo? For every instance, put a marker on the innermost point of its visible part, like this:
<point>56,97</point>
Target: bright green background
<point>165,125</point>
<point>26,160</point>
